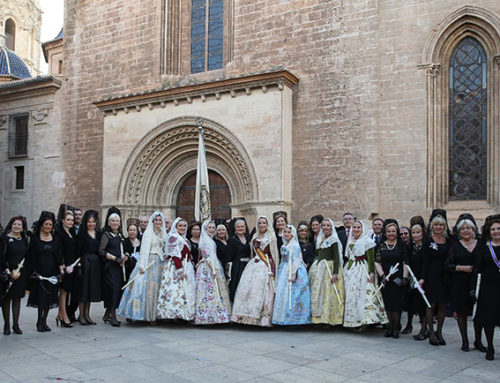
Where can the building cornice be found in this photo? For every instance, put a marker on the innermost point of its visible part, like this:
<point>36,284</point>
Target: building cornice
<point>31,87</point>
<point>186,94</point>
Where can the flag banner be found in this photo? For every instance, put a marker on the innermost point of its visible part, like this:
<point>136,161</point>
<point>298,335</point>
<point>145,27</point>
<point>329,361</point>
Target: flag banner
<point>202,198</point>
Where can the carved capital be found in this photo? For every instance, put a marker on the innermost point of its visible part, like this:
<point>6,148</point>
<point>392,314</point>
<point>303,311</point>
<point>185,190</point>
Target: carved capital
<point>432,70</point>
<point>3,119</point>
<point>496,59</point>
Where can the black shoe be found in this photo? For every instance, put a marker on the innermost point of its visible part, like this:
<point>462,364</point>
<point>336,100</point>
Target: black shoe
<point>420,336</point>
<point>479,346</point>
<point>490,354</point>
<point>40,328</point>
<point>6,329</point>
<point>388,333</point>
<point>441,340</point>
<point>395,334</point>
<point>63,323</point>
<point>17,330</point>
<point>47,328</point>
<point>407,330</point>
<point>105,318</point>
<point>90,321</point>
<point>433,340</point>
<point>465,347</point>
<point>83,322</point>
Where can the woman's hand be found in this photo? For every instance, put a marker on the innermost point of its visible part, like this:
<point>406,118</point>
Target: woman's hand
<point>371,279</point>
<point>293,278</point>
<point>335,278</point>
<point>69,269</point>
<point>141,270</point>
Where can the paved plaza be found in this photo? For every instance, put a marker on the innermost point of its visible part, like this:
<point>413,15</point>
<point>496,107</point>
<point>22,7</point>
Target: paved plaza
<point>183,353</point>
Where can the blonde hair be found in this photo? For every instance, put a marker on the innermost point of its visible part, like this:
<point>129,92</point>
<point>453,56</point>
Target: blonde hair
<point>225,229</point>
<point>439,219</point>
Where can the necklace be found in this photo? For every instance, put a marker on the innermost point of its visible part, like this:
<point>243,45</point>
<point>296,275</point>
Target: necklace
<point>389,246</point>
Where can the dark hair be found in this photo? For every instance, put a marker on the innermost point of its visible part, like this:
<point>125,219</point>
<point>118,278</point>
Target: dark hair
<point>388,222</point>
<point>405,227</point>
<point>348,213</point>
<point>378,219</point>
<point>133,223</point>
<point>44,216</point>
<point>315,218</point>
<point>417,220</point>
<point>190,228</point>
<point>21,218</point>
<point>488,222</point>
<point>277,215</point>
<point>62,209</point>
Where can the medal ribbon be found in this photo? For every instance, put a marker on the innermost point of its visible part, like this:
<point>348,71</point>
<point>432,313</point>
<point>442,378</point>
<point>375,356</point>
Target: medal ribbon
<point>493,255</point>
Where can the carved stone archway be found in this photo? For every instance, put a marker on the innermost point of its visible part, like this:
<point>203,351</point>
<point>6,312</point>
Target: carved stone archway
<point>160,162</point>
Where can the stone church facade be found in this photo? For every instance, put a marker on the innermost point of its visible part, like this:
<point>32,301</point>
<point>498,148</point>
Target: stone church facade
<point>382,108</point>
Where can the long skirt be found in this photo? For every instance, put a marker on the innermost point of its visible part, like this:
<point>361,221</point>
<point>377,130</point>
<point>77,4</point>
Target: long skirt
<point>212,298</point>
<point>113,278</point>
<point>296,311</point>
<point>362,306</point>
<point>325,305</point>
<point>139,300</point>
<point>91,279</point>
<point>254,299</point>
<point>177,297</point>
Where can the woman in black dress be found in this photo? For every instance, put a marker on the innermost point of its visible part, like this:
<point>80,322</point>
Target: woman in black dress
<point>220,239</point>
<point>436,246</point>
<point>193,236</point>
<point>488,265</point>
<point>114,258</point>
<point>14,250</point>
<point>392,252</point>
<point>88,248</point>
<point>461,259</point>
<point>416,303</point>
<point>66,245</point>
<point>308,249</point>
<point>132,246</point>
<point>238,255</point>
<point>45,261</point>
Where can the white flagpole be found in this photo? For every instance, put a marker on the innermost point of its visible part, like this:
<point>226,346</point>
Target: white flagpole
<point>202,197</point>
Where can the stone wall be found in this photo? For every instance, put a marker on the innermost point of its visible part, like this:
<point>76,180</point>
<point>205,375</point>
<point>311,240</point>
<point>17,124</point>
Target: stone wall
<point>359,120</point>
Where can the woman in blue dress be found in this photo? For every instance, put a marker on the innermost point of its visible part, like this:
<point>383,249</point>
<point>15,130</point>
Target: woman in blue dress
<point>292,305</point>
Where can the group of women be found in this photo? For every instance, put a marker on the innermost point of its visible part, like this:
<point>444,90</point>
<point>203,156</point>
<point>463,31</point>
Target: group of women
<point>279,275</point>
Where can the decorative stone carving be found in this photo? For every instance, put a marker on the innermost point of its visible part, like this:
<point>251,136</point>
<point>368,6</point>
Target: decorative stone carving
<point>40,115</point>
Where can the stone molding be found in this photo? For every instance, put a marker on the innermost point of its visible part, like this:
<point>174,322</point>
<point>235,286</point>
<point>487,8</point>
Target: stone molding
<point>162,159</point>
<point>185,94</point>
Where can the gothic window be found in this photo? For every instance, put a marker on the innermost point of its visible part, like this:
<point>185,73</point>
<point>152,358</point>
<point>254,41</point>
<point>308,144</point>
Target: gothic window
<point>468,121</point>
<point>10,34</point>
<point>207,31</point>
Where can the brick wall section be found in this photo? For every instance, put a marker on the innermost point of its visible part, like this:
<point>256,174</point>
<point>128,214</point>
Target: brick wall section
<point>359,111</point>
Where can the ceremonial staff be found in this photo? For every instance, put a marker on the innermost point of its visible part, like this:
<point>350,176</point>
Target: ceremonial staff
<point>417,286</point>
<point>393,270</point>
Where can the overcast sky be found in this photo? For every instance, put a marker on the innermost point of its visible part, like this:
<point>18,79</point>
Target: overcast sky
<point>52,22</point>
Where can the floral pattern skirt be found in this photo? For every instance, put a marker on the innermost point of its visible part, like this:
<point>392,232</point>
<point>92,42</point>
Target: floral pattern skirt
<point>326,306</point>
<point>177,295</point>
<point>139,299</point>
<point>362,306</point>
<point>299,310</point>
<point>254,299</point>
<point>212,294</point>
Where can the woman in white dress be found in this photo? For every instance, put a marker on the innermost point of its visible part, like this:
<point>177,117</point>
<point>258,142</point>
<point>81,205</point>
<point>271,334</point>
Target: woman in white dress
<point>139,299</point>
<point>254,299</point>
<point>212,295</point>
<point>178,284</point>
<point>362,306</point>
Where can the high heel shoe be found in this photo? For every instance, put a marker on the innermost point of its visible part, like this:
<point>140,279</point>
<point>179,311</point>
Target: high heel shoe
<point>83,322</point>
<point>419,336</point>
<point>90,321</point>
<point>433,340</point>
<point>490,353</point>
<point>6,329</point>
<point>47,328</point>
<point>61,322</point>
<point>17,330</point>
<point>479,346</point>
<point>465,347</point>
<point>105,318</point>
<point>407,330</point>
<point>40,328</point>
<point>441,340</point>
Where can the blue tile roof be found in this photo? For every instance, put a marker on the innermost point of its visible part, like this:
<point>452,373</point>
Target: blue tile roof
<point>12,65</point>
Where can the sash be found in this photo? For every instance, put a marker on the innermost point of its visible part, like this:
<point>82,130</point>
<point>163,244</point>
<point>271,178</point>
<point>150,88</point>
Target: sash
<point>493,255</point>
<point>264,258</point>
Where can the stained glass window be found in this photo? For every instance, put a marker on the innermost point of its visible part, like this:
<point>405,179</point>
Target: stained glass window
<point>468,122</point>
<point>207,31</point>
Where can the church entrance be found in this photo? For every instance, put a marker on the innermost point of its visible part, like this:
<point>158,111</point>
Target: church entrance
<point>220,197</point>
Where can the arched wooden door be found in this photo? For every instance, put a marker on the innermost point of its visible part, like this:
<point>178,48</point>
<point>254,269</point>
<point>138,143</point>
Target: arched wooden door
<point>220,197</point>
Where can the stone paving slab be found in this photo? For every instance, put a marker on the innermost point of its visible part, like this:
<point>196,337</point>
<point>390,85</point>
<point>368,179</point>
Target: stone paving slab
<point>179,352</point>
